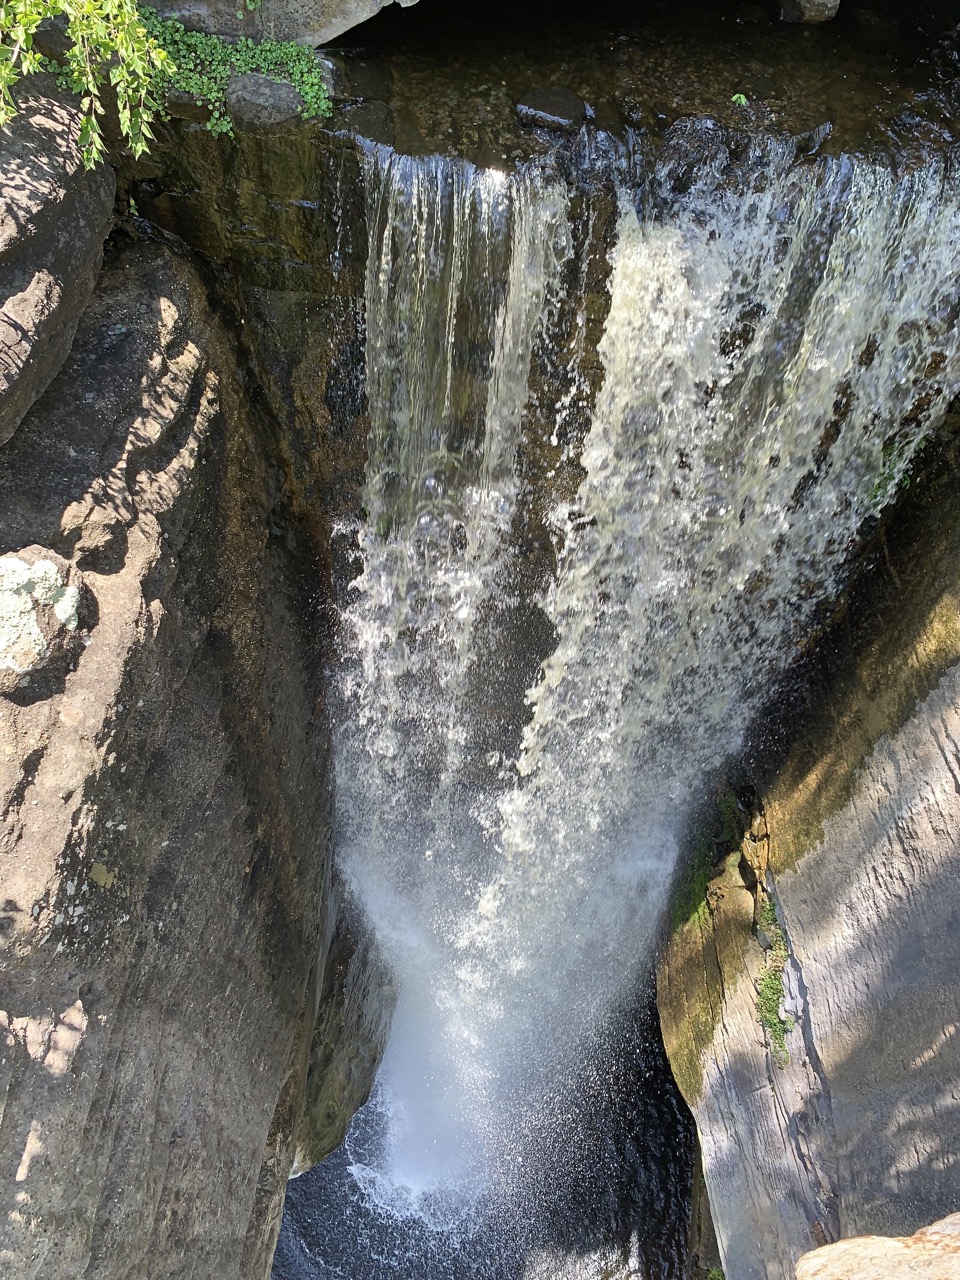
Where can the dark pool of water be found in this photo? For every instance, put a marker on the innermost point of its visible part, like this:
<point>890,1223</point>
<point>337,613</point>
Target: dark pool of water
<point>612,1202</point>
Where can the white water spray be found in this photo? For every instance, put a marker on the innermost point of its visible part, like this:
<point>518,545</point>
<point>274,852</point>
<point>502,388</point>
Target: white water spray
<point>772,357</point>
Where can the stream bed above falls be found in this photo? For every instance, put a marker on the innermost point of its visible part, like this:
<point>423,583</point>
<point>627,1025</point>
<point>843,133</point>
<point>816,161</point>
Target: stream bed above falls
<point>470,82</point>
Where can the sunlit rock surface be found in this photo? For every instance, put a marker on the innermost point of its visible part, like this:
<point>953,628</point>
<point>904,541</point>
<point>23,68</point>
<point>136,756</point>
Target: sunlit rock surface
<point>54,217</point>
<point>163,852</point>
<point>933,1253</point>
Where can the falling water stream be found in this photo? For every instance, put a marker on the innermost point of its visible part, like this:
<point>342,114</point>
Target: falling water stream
<point>778,339</point>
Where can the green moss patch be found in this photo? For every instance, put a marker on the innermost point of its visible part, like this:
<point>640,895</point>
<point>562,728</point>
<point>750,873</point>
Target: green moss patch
<point>770,986</point>
<point>201,66</point>
<point>720,835</point>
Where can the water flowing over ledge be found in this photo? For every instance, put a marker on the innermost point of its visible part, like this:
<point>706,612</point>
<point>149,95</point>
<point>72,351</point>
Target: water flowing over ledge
<point>778,339</point>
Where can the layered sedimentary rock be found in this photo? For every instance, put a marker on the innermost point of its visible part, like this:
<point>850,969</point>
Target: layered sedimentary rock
<point>55,215</point>
<point>853,1125</point>
<point>163,855</point>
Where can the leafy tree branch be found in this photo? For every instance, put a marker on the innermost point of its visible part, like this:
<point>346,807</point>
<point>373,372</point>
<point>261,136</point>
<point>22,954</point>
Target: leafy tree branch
<point>142,57</point>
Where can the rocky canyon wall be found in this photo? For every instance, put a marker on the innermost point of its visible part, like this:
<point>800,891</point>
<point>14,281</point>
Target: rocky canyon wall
<point>167,909</point>
<point>186,1016</point>
<point>836,1114</point>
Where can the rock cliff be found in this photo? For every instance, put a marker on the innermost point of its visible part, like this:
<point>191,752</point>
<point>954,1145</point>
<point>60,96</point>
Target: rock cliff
<point>832,1110</point>
<point>183,1020</point>
<point>167,911</point>
<point>55,215</point>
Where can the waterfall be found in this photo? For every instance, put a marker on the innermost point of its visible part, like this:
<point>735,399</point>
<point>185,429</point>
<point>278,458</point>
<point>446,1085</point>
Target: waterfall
<point>780,340</point>
<point>463,266</point>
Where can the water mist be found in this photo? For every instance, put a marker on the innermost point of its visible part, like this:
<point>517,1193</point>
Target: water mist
<point>778,340</point>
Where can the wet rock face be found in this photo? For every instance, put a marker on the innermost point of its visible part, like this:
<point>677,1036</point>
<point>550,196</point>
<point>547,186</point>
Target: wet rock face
<point>285,242</point>
<point>56,215</point>
<point>854,1126</point>
<point>309,21</point>
<point>163,847</point>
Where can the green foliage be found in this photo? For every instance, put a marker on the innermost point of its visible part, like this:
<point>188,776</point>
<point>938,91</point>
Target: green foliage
<point>109,43</point>
<point>721,835</point>
<point>770,985</point>
<point>201,65</point>
<point>739,100</point>
<point>715,1274</point>
<point>690,902</point>
<point>898,457</point>
<point>142,56</point>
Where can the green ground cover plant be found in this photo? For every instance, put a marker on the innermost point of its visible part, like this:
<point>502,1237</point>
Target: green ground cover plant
<point>142,57</point>
<point>202,66</point>
<point>770,985</point>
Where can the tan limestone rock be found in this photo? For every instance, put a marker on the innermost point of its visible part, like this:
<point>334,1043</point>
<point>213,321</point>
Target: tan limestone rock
<point>933,1253</point>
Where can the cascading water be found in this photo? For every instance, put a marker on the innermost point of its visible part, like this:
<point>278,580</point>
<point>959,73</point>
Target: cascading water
<point>779,338</point>
<point>461,271</point>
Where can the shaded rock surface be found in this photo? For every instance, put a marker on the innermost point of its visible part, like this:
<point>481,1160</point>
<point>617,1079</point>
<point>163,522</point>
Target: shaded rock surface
<point>858,1129</point>
<point>163,853</point>
<point>55,215</point>
<point>257,102</point>
<point>350,1032</point>
<point>933,1253</point>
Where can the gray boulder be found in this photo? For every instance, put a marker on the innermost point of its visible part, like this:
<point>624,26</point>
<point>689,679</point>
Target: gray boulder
<point>809,10</point>
<point>257,102</point>
<point>312,22</point>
